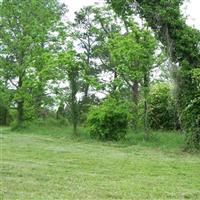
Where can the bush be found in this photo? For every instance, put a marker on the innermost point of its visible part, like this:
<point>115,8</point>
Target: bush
<point>190,116</point>
<point>109,120</point>
<point>16,126</point>
<point>191,120</point>
<point>162,110</point>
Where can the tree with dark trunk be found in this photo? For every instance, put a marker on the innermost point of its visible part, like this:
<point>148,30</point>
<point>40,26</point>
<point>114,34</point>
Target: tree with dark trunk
<point>25,25</point>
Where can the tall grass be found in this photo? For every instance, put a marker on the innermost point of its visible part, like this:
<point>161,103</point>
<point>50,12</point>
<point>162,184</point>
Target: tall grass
<point>156,139</point>
<point>164,140</point>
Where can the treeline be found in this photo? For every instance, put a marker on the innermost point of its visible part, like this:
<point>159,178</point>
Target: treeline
<point>181,44</point>
<point>97,71</point>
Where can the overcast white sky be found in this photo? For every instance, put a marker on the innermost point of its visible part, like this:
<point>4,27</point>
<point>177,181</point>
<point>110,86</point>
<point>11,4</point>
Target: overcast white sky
<point>191,9</point>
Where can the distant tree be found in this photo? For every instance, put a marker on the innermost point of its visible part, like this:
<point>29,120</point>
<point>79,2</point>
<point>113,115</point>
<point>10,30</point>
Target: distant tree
<point>85,34</point>
<point>134,56</point>
<point>61,111</point>
<point>109,25</point>
<point>69,66</point>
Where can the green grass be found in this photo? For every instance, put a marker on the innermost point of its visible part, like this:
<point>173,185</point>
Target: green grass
<point>160,139</point>
<point>49,163</point>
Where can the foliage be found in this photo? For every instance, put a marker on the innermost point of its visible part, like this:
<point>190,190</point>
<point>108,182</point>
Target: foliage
<point>182,45</point>
<point>162,110</point>
<point>85,33</point>
<point>191,116</point>
<point>41,68</point>
<point>85,104</point>
<point>69,68</point>
<point>26,37</point>
<point>133,53</point>
<point>109,120</point>
<point>61,111</point>
<point>134,56</point>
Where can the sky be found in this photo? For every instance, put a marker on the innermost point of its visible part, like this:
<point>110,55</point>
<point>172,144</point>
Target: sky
<point>190,9</point>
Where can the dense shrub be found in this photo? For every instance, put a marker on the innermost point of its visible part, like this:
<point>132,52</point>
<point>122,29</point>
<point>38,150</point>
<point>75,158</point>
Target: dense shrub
<point>192,124</point>
<point>109,120</point>
<point>190,116</point>
<point>162,110</point>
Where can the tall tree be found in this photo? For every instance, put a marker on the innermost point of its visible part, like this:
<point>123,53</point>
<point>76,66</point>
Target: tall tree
<point>25,29</point>
<point>109,25</point>
<point>69,66</point>
<point>134,54</point>
<point>85,33</point>
<point>182,44</point>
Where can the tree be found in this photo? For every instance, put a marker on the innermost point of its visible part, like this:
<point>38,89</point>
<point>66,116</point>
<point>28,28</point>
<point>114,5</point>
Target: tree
<point>70,70</point>
<point>181,42</point>
<point>162,109</point>
<point>108,25</point>
<point>133,53</point>
<point>25,30</point>
<point>85,33</point>
<point>4,103</point>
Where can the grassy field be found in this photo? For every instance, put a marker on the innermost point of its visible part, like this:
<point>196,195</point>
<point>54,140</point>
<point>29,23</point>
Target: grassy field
<point>48,163</point>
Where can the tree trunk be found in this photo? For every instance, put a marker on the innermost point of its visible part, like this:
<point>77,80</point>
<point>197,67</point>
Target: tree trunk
<point>115,86</point>
<point>20,111</point>
<point>74,115</point>
<point>146,93</point>
<point>38,105</point>
<point>20,106</point>
<point>3,115</point>
<point>86,89</point>
<point>74,105</point>
<point>146,120</point>
<point>75,129</point>
<point>135,92</point>
<point>135,95</point>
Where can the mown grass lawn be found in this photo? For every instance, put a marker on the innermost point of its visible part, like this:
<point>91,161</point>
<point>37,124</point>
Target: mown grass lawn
<point>43,167</point>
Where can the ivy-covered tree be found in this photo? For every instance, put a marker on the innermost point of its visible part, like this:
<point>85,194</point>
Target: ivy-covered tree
<point>182,45</point>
